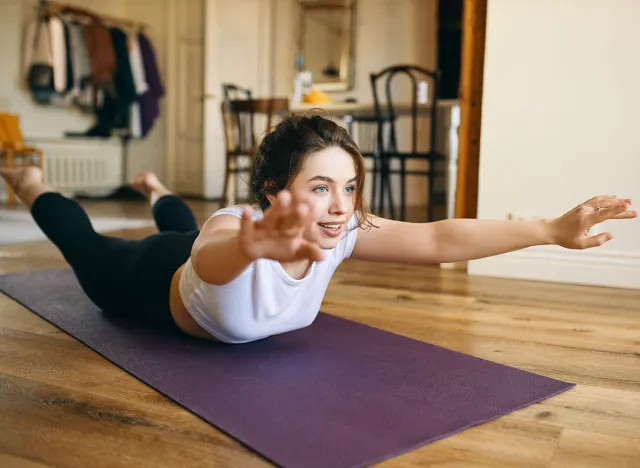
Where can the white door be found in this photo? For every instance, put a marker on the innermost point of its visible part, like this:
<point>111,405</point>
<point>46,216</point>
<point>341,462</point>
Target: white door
<point>185,96</point>
<point>237,49</point>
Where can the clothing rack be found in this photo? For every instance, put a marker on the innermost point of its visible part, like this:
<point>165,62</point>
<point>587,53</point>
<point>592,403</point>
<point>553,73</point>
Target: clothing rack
<point>46,9</point>
<point>53,8</point>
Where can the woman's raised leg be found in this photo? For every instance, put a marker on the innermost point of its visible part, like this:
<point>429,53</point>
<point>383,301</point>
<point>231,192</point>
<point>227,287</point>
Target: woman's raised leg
<point>170,213</point>
<point>94,258</point>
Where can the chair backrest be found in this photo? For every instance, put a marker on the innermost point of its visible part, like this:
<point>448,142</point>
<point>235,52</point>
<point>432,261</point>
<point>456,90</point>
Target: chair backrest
<point>239,119</point>
<point>11,133</point>
<point>386,109</point>
<point>364,131</point>
<point>234,92</point>
<point>5,141</point>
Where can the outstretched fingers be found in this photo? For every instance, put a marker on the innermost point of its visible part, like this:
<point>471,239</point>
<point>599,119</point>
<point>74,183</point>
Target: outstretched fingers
<point>278,210</point>
<point>296,221</point>
<point>311,251</point>
<point>246,224</point>
<point>595,241</point>
<point>613,209</point>
<point>627,215</point>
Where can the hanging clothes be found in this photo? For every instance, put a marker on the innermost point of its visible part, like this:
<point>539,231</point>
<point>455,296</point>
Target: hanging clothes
<point>124,87</point>
<point>149,101</point>
<point>137,65</point>
<point>99,47</point>
<point>64,98</point>
<point>123,77</point>
<point>67,49</point>
<point>83,94</point>
<point>114,113</point>
<point>39,63</point>
<point>58,54</point>
<point>79,58</point>
<point>139,78</point>
<point>95,68</point>
<point>35,47</point>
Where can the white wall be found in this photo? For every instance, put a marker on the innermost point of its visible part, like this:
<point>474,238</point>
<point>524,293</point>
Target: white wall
<point>560,125</point>
<point>238,49</point>
<point>387,33</point>
<point>48,122</point>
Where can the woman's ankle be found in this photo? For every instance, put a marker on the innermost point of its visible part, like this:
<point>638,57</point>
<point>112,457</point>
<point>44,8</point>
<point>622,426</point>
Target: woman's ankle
<point>28,195</point>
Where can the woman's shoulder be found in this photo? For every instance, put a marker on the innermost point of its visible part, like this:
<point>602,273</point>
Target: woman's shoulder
<point>351,235</point>
<point>236,210</point>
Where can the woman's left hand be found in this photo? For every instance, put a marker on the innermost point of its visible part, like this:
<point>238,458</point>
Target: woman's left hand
<point>571,229</point>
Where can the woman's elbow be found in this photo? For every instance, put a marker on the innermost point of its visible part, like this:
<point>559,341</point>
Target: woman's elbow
<point>203,269</point>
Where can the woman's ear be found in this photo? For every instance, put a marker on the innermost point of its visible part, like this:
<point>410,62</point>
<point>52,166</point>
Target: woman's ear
<point>269,186</point>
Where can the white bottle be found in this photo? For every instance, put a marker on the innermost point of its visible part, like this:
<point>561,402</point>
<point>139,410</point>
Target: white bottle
<point>301,86</point>
<point>423,92</point>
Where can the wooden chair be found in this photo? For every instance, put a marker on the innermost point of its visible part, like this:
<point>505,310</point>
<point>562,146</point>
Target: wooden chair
<point>364,129</point>
<point>235,92</point>
<point>14,151</point>
<point>385,113</point>
<point>239,120</point>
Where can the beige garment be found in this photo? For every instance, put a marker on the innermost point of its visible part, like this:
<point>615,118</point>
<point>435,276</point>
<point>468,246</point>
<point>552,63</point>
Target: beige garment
<point>79,57</point>
<point>59,54</point>
<point>137,65</point>
<point>36,47</point>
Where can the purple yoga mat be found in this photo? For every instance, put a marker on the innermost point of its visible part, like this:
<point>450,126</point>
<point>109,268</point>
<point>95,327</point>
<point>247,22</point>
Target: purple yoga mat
<point>336,394</point>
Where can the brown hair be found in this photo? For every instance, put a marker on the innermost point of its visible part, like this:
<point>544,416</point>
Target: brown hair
<point>282,153</point>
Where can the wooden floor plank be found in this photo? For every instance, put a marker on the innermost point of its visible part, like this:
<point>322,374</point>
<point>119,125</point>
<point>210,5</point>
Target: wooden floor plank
<point>14,462</point>
<point>592,450</point>
<point>588,409</point>
<point>78,428</point>
<point>501,443</point>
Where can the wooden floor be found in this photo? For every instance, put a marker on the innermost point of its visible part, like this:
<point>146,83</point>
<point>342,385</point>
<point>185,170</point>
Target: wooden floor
<point>63,405</point>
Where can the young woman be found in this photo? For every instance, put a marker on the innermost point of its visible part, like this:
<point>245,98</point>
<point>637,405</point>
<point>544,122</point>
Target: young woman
<point>250,274</point>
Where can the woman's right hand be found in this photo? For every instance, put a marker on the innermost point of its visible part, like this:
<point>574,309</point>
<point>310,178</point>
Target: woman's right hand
<point>280,234</point>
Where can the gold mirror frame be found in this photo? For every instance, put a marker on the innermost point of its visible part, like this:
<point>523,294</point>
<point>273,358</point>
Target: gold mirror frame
<point>345,81</point>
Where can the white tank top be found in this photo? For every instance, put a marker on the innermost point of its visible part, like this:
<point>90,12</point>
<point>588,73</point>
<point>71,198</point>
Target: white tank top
<point>263,300</point>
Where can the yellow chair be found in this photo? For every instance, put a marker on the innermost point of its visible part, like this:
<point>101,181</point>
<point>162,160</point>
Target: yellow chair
<point>14,151</point>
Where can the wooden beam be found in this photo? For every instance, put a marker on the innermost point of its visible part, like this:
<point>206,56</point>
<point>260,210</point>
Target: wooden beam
<point>471,81</point>
<point>52,7</point>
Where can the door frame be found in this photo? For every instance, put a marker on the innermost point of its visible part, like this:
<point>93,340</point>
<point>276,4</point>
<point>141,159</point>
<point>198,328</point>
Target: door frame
<point>474,22</point>
<point>173,33</point>
<point>171,83</point>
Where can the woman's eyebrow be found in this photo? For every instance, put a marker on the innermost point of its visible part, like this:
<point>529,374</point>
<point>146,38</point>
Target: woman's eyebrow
<point>329,179</point>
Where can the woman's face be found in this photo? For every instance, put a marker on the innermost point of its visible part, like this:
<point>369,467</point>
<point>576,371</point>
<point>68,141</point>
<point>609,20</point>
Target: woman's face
<point>328,180</point>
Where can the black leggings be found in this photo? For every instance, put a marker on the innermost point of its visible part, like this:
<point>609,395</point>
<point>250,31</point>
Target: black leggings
<point>124,278</point>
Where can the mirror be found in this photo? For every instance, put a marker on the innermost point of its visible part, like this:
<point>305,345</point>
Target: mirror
<point>325,42</point>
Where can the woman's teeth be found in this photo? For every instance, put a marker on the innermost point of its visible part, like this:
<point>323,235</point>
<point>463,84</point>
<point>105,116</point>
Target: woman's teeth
<point>330,226</point>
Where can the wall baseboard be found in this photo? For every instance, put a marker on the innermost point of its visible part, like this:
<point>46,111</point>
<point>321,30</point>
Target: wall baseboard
<point>587,267</point>
<point>460,266</point>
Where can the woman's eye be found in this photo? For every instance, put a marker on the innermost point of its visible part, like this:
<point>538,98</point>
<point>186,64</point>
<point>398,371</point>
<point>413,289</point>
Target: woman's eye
<point>350,189</point>
<point>320,189</point>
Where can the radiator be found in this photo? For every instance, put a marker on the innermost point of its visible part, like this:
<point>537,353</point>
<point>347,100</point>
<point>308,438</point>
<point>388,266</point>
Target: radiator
<point>80,165</point>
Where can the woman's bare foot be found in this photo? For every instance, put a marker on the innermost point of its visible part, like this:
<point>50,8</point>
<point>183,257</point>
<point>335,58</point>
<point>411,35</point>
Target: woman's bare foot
<point>148,184</point>
<point>26,183</point>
